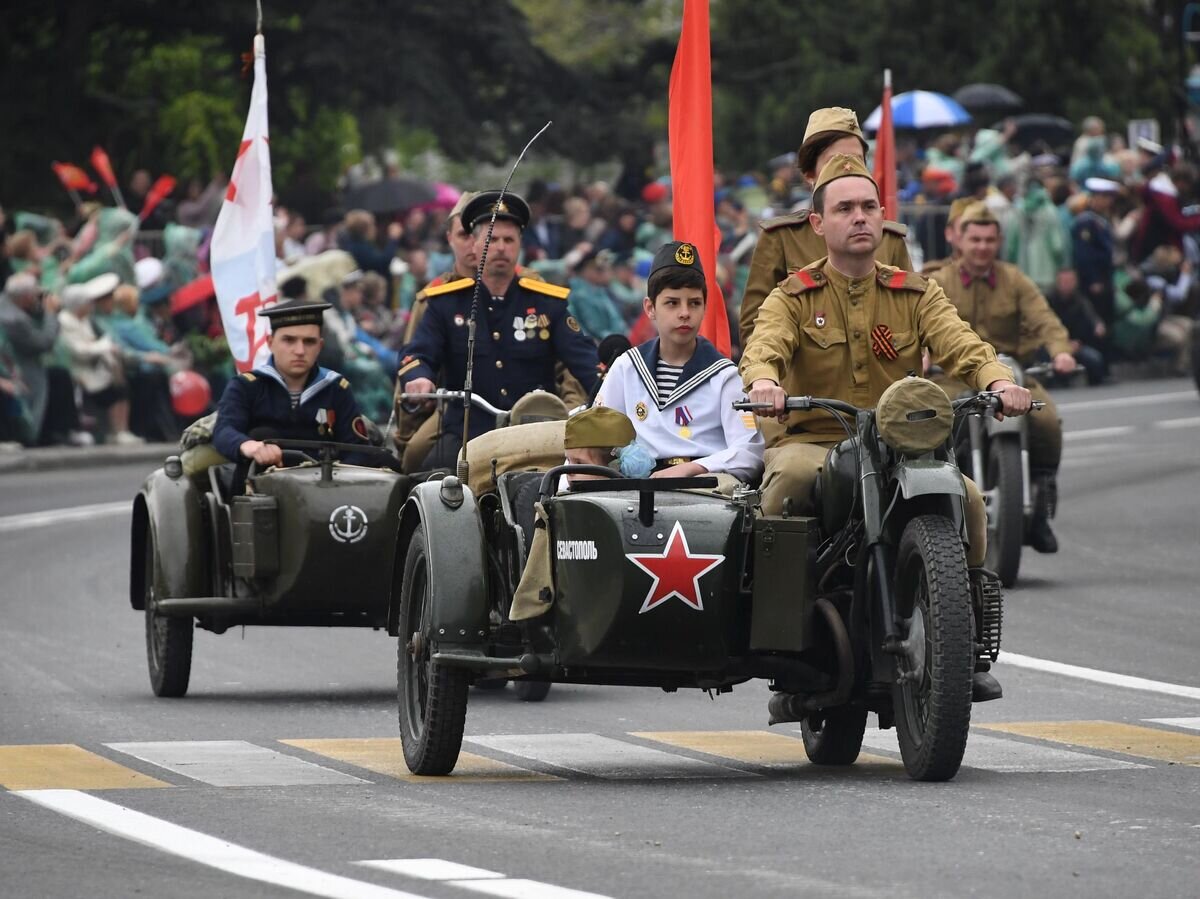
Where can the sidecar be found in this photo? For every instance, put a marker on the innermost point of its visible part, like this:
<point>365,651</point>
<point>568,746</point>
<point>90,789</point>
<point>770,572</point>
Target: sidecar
<point>311,545</point>
<point>616,581</point>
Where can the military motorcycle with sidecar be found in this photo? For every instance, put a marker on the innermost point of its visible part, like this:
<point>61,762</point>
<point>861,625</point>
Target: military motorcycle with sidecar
<point>310,544</point>
<point>995,453</point>
<point>868,606</point>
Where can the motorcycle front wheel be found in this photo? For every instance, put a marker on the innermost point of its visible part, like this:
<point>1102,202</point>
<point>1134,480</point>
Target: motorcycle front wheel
<point>932,702</point>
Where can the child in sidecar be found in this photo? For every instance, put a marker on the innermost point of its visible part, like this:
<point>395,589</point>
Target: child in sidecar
<point>678,389</point>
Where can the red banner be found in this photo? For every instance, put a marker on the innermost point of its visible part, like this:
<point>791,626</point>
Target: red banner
<point>103,167</point>
<point>691,139</point>
<point>885,152</point>
<point>158,192</point>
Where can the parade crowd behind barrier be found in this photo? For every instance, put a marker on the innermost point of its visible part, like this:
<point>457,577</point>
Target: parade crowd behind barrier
<point>109,330</point>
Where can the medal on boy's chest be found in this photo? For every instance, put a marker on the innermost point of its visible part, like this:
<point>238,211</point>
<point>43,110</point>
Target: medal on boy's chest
<point>325,419</point>
<point>683,418</point>
<point>641,411</point>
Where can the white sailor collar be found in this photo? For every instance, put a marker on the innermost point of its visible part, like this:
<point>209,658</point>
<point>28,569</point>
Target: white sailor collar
<point>319,379</point>
<point>705,363</point>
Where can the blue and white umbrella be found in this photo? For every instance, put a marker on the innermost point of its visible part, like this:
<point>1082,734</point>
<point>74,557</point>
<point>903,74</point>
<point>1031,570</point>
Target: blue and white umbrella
<point>921,109</point>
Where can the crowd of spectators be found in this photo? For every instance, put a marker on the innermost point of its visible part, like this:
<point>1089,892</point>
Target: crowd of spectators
<point>98,314</point>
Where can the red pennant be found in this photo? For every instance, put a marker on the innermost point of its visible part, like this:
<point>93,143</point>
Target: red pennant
<point>103,167</point>
<point>160,191</point>
<point>72,177</point>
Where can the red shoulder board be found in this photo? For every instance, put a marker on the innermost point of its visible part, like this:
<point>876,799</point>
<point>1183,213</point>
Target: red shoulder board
<point>898,279</point>
<point>801,280</point>
<point>805,277</point>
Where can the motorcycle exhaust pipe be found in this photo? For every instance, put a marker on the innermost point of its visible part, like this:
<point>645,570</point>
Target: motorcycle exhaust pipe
<point>789,707</point>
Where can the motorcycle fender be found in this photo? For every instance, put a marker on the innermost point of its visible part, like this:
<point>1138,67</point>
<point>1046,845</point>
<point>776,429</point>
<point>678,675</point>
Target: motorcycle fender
<point>923,477</point>
<point>170,510</point>
<point>457,562</point>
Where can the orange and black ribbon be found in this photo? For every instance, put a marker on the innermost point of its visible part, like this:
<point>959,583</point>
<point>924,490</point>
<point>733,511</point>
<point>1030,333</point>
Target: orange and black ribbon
<point>881,342</point>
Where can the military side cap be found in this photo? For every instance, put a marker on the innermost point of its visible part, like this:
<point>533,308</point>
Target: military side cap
<point>830,120</point>
<point>676,254</point>
<point>598,426</point>
<point>978,213</point>
<point>294,312</point>
<point>510,208</point>
<point>463,199</point>
<point>843,166</point>
<point>958,207</point>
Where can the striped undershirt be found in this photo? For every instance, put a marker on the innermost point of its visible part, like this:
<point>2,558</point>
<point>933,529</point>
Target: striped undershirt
<point>666,377</point>
<point>295,395</point>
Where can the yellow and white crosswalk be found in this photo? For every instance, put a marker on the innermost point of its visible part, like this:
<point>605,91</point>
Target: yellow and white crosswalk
<point>1031,747</point>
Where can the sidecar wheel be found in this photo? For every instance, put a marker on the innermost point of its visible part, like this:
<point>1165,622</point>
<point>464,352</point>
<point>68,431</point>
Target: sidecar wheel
<point>834,737</point>
<point>933,711</point>
<point>531,690</point>
<point>168,640</point>
<point>432,696</point>
<point>1006,513</point>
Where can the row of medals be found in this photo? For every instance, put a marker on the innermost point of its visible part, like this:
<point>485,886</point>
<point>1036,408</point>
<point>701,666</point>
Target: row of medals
<point>525,328</point>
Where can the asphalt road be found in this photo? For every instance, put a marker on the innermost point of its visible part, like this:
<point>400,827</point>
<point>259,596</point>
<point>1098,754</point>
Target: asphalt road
<point>279,773</point>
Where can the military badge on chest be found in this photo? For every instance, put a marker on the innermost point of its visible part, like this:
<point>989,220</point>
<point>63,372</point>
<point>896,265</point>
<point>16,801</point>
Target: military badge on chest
<point>820,320</point>
<point>683,418</point>
<point>325,420</point>
<point>641,411</point>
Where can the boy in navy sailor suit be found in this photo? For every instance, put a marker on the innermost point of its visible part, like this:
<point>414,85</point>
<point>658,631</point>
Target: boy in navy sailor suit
<point>677,389</point>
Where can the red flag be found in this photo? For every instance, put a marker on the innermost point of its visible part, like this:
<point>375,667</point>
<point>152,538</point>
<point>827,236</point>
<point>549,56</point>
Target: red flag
<point>690,137</point>
<point>72,177</point>
<point>885,152</point>
<point>158,192</point>
<point>103,167</point>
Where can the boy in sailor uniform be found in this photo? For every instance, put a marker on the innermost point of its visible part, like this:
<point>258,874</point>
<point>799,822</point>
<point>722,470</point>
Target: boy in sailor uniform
<point>677,389</point>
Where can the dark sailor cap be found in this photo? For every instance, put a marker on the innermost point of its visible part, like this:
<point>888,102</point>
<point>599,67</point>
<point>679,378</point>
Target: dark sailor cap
<point>294,312</point>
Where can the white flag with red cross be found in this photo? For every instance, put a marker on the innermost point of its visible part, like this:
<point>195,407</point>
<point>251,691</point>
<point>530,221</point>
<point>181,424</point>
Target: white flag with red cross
<point>243,243</point>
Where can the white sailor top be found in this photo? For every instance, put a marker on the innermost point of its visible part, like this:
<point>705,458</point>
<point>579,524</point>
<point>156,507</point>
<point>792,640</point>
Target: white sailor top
<point>696,422</point>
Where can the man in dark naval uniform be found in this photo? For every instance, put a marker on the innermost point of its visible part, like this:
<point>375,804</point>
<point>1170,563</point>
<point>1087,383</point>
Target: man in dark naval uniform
<point>523,329</point>
<point>288,397</point>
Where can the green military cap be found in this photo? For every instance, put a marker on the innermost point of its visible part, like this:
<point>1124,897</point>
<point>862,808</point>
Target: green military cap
<point>294,312</point>
<point>676,254</point>
<point>958,207</point>
<point>598,426</point>
<point>843,166</point>
<point>977,213</point>
<point>824,122</point>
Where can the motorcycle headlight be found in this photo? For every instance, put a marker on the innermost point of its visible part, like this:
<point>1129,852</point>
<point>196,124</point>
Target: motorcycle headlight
<point>914,416</point>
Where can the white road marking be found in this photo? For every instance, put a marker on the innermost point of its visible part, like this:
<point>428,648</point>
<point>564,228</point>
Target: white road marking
<point>599,756</point>
<point>204,849</point>
<point>522,889</point>
<point>430,869</point>
<point>478,880</point>
<point>233,763</point>
<point>9,523</point>
<point>1144,399</point>
<point>1186,723</point>
<point>1008,756</point>
<point>1098,676</point>
<point>1096,433</point>
<point>1169,424</point>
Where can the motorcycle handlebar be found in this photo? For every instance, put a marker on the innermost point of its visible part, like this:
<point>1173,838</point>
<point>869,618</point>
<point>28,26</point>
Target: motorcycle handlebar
<point>445,396</point>
<point>799,404</point>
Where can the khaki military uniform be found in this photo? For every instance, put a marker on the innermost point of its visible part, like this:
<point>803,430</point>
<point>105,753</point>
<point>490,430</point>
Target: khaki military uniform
<point>1009,312</point>
<point>816,334</point>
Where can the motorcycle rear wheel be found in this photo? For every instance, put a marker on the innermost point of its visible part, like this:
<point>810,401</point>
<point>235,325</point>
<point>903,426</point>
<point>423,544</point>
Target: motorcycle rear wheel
<point>1006,514</point>
<point>933,713</point>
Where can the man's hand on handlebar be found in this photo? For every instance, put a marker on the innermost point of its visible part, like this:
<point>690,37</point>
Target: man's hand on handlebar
<point>421,385</point>
<point>265,454</point>
<point>764,390</point>
<point>1014,399</point>
<point>1064,364</point>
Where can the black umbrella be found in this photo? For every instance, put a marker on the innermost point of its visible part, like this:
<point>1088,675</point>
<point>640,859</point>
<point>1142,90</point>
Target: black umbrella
<point>390,195</point>
<point>1052,130</point>
<point>988,96</point>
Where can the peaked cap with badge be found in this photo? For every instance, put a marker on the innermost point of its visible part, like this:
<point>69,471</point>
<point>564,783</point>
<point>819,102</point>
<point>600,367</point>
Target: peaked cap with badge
<point>479,209</point>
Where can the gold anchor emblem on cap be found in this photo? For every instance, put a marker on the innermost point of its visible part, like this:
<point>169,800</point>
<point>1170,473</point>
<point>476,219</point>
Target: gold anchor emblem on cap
<point>685,254</point>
